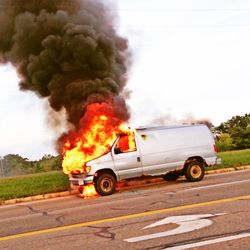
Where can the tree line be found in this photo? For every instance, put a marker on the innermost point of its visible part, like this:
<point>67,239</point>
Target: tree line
<point>14,165</point>
<point>234,134</point>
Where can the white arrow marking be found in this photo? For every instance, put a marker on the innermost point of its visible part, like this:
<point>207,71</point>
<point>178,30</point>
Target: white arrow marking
<point>187,223</point>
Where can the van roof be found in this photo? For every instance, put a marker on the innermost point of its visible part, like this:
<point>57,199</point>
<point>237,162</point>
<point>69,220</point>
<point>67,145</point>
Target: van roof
<point>168,127</point>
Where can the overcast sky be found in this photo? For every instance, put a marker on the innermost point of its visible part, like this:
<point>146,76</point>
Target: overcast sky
<point>190,59</point>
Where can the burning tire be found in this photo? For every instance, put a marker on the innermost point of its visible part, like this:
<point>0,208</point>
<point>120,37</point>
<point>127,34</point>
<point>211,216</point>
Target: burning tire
<point>105,184</point>
<point>171,176</point>
<point>194,171</point>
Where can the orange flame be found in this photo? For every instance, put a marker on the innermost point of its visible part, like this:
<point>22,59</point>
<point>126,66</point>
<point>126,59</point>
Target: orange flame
<point>89,191</point>
<point>100,130</point>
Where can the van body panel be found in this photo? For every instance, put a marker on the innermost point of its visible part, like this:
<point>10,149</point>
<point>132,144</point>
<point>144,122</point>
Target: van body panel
<point>162,168</point>
<point>165,149</point>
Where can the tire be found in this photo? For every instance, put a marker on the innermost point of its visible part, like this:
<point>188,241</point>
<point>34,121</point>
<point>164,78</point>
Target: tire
<point>105,184</point>
<point>194,171</point>
<point>171,176</point>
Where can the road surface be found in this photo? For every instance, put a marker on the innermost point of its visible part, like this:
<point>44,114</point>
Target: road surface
<point>211,214</point>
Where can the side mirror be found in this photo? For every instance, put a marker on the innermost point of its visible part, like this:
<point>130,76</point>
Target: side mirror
<point>117,151</point>
<point>122,134</point>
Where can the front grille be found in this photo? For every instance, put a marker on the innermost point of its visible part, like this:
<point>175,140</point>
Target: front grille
<point>78,176</point>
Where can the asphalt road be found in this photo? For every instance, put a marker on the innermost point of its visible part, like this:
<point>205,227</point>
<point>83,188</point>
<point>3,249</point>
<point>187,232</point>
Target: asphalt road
<point>211,214</point>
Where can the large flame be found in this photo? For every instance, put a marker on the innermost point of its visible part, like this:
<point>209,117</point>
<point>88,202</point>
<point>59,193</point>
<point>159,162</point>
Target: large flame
<point>89,191</point>
<point>98,134</point>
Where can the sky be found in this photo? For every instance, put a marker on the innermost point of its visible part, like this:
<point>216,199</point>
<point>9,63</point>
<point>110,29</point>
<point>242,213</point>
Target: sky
<point>190,60</point>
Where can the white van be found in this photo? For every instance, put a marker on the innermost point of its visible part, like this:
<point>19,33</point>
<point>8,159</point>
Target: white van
<point>169,151</point>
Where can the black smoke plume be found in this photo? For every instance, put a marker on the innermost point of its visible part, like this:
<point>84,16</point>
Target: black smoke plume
<point>67,51</point>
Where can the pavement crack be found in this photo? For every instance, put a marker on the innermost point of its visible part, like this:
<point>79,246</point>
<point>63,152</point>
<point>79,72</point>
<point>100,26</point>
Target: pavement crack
<point>31,209</point>
<point>58,218</point>
<point>158,202</point>
<point>35,211</point>
<point>45,213</point>
<point>104,232</point>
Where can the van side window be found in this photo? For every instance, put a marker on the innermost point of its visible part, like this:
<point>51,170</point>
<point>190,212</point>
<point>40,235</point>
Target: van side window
<point>125,144</point>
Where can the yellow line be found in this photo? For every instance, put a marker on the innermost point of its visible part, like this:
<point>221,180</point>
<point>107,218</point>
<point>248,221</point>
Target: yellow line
<point>85,224</point>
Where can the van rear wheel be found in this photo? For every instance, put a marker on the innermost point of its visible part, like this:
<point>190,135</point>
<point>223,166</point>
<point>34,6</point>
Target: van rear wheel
<point>194,171</point>
<point>105,184</point>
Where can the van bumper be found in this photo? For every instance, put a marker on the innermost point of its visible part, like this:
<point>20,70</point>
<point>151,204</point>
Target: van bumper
<point>218,161</point>
<point>213,161</point>
<point>81,179</point>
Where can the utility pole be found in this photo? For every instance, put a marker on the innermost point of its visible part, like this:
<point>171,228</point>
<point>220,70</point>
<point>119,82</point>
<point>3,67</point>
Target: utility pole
<point>1,165</point>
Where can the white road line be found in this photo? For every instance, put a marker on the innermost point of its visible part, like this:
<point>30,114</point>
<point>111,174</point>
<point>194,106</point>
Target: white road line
<point>209,242</point>
<point>216,185</point>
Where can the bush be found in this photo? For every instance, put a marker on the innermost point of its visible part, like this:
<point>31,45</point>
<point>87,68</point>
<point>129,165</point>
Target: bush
<point>225,143</point>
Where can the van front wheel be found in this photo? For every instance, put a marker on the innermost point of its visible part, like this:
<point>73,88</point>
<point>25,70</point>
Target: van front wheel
<point>105,184</point>
<point>194,171</point>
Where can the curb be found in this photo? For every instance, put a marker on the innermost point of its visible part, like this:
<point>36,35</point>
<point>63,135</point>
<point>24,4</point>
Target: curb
<point>124,184</point>
<point>226,170</point>
<point>38,197</point>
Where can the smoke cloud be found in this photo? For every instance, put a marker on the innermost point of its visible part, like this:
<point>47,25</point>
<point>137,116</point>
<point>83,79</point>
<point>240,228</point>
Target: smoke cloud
<point>168,119</point>
<point>66,51</point>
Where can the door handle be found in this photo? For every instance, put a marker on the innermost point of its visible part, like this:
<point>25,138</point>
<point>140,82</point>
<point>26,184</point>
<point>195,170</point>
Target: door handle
<point>138,159</point>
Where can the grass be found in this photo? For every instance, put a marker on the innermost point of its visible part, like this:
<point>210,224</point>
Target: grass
<point>34,184</point>
<point>233,159</point>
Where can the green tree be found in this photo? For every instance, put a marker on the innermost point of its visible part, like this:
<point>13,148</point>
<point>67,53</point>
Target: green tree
<point>14,164</point>
<point>238,128</point>
<point>241,138</point>
<point>236,122</point>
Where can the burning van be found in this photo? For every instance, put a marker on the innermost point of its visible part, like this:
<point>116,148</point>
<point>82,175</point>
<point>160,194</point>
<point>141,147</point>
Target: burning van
<point>168,151</point>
